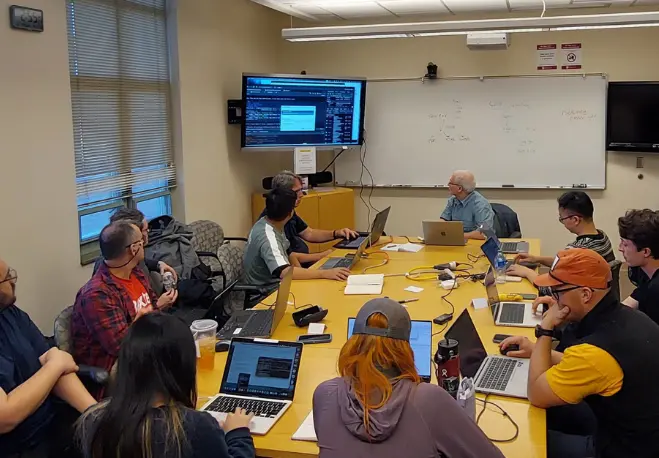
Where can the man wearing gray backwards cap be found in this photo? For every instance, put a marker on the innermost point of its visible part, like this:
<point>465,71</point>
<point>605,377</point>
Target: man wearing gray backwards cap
<point>379,407</point>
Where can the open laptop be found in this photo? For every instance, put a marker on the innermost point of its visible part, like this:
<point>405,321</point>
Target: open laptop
<point>347,261</point>
<point>519,314</point>
<point>260,376</point>
<point>259,323</point>
<point>421,343</point>
<point>505,247</point>
<point>443,233</point>
<point>500,375</point>
<point>377,229</point>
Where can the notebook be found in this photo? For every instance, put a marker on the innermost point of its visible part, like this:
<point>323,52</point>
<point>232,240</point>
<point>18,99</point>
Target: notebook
<point>306,431</point>
<point>364,284</point>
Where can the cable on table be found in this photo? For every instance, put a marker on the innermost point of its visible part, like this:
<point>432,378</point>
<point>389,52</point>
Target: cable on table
<point>504,413</point>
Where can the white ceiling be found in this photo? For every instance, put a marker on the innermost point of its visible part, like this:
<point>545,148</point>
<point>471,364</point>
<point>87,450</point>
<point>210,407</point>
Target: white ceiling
<point>331,10</point>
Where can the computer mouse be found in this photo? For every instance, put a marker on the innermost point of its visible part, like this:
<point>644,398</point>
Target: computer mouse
<point>511,347</point>
<point>222,346</point>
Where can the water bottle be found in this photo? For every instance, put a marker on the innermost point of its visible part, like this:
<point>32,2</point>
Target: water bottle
<point>500,266</point>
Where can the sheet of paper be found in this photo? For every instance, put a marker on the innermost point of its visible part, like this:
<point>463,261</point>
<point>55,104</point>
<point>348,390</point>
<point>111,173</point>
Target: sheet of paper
<point>403,247</point>
<point>413,289</point>
<point>316,328</point>
<point>479,303</point>
<point>305,160</point>
<point>306,431</point>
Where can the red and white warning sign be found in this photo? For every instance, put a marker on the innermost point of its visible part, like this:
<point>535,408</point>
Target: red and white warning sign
<point>571,57</point>
<point>547,59</point>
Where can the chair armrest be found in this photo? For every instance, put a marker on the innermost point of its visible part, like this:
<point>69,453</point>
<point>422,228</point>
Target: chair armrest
<point>516,235</point>
<point>95,374</point>
<point>207,253</point>
<point>260,289</point>
<point>240,239</point>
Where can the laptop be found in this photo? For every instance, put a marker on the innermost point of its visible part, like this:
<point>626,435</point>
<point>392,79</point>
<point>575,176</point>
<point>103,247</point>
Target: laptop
<point>518,314</point>
<point>443,233</point>
<point>498,374</point>
<point>377,229</point>
<point>421,343</point>
<point>490,249</point>
<point>259,323</point>
<point>347,261</point>
<point>260,376</point>
<point>505,247</point>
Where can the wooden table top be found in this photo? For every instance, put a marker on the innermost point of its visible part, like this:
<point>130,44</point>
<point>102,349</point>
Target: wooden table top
<point>319,362</point>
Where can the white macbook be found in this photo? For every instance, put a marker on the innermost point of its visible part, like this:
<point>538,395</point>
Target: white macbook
<point>260,376</point>
<point>519,314</point>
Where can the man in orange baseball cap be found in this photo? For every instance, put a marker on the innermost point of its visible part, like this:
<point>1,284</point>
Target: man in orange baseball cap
<point>609,361</point>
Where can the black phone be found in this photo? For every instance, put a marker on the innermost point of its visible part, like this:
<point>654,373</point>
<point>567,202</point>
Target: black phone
<point>314,338</point>
<point>498,338</point>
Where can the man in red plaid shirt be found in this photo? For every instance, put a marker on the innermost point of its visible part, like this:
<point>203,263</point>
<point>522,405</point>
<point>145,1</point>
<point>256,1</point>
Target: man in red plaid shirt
<point>113,298</point>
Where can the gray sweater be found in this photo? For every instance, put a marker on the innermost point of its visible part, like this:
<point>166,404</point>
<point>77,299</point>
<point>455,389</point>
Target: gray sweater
<point>421,421</point>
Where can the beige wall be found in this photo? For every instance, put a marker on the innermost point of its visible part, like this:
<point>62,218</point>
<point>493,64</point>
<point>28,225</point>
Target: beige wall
<point>625,54</point>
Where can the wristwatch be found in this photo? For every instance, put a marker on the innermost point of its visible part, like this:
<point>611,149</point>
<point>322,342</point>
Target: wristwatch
<point>540,332</point>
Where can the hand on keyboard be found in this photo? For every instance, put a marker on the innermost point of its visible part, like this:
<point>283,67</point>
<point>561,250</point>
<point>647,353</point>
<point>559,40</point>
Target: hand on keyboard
<point>339,274</point>
<point>346,233</point>
<point>239,419</point>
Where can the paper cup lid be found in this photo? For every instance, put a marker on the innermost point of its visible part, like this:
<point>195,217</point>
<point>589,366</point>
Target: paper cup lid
<point>203,325</point>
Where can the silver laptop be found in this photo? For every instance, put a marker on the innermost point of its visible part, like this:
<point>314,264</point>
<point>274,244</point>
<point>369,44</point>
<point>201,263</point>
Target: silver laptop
<point>347,261</point>
<point>377,229</point>
<point>500,375</point>
<point>519,314</point>
<point>443,233</point>
<point>259,323</point>
<point>505,247</point>
<point>260,376</point>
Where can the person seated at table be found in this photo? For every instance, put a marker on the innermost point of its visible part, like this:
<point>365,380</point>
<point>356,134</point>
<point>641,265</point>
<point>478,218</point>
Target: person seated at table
<point>151,413</point>
<point>266,259</point>
<point>609,361</point>
<point>467,205</point>
<point>639,245</point>
<point>297,231</point>
<point>113,298</point>
<point>575,212</point>
<point>40,393</point>
<point>379,407</point>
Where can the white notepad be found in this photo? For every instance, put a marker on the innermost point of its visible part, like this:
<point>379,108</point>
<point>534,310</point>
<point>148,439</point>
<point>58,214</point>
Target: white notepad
<point>306,431</point>
<point>365,284</point>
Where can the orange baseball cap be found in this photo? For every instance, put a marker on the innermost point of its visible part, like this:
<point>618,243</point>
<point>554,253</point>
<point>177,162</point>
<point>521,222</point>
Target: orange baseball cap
<point>578,267</point>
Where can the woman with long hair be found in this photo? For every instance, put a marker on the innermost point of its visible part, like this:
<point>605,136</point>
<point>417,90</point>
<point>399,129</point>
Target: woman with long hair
<point>151,412</point>
<point>379,407</point>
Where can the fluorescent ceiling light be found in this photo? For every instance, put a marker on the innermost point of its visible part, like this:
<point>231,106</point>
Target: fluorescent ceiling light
<point>441,28</point>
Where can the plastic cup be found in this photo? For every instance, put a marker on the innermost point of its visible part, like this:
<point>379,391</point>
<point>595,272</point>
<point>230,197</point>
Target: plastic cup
<point>204,336</point>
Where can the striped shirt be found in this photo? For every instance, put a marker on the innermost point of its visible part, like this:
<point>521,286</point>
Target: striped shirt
<point>599,243</point>
<point>265,253</point>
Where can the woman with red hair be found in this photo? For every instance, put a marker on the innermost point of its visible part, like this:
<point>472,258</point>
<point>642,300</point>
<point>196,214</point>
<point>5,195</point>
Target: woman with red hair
<point>379,407</point>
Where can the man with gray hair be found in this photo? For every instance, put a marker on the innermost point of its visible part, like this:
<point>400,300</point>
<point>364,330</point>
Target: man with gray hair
<point>297,231</point>
<point>467,205</point>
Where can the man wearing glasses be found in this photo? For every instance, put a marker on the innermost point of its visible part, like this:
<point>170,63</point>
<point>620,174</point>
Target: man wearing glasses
<point>609,361</point>
<point>116,295</point>
<point>34,379</point>
<point>467,205</point>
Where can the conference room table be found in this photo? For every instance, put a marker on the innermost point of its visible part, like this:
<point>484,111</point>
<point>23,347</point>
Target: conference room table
<point>319,361</point>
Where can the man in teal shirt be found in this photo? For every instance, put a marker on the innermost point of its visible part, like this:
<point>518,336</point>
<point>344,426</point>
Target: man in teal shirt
<point>467,205</point>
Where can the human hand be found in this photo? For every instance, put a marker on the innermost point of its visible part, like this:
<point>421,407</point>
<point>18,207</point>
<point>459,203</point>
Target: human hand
<point>525,346</point>
<point>143,311</point>
<point>325,253</point>
<point>239,419</point>
<point>525,257</point>
<point>167,299</point>
<point>519,271</point>
<point>60,360</point>
<point>346,233</point>
<point>542,300</point>
<point>167,268</point>
<point>555,316</point>
<point>338,274</point>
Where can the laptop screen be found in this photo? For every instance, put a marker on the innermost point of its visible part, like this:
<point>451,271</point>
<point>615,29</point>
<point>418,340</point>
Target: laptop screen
<point>262,369</point>
<point>490,249</point>
<point>470,346</point>
<point>420,341</point>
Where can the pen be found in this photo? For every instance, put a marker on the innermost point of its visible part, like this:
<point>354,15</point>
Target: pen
<point>405,301</point>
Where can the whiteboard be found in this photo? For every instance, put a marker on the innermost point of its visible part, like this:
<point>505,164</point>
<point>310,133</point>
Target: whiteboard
<point>526,132</point>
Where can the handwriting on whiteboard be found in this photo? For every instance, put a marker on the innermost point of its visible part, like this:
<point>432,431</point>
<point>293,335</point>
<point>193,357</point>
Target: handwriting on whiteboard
<point>578,115</point>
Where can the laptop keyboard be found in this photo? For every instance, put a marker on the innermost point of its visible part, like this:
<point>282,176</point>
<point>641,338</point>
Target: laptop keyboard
<point>509,246</point>
<point>497,374</point>
<point>512,313</point>
<point>259,407</point>
<point>253,324</point>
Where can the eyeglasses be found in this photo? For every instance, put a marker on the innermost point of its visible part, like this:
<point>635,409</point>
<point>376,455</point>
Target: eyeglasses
<point>450,183</point>
<point>556,293</point>
<point>298,191</point>
<point>560,220</point>
<point>141,242</point>
<point>12,275</point>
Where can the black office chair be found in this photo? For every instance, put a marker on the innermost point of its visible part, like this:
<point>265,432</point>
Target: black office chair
<point>506,222</point>
<point>615,278</point>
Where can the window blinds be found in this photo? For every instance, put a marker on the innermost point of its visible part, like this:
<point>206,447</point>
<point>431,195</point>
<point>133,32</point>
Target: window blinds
<point>120,91</point>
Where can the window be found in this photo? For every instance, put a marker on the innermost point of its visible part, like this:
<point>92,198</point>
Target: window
<point>121,102</point>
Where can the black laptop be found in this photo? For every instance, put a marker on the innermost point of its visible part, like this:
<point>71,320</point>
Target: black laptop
<point>376,232</point>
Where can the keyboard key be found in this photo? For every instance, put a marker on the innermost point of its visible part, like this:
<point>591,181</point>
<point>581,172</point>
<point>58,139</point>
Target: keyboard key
<point>260,408</point>
<point>498,374</point>
<point>512,313</point>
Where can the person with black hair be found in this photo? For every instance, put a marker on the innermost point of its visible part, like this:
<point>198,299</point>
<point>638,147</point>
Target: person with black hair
<point>151,413</point>
<point>266,258</point>
<point>113,298</point>
<point>639,245</point>
<point>575,213</point>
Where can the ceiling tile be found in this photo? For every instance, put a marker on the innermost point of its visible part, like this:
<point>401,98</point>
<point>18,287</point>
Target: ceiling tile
<point>458,6</point>
<point>401,7</point>
<point>354,9</point>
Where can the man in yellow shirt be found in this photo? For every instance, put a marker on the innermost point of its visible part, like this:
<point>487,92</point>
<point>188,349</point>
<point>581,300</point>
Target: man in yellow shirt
<point>609,361</point>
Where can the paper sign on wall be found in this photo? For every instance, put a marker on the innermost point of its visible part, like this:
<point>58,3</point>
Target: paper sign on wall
<point>305,160</point>
<point>571,58</point>
<point>547,59</point>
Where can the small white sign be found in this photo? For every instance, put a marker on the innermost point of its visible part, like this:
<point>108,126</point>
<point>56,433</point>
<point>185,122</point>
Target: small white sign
<point>547,57</point>
<point>479,303</point>
<point>413,289</point>
<point>571,56</point>
<point>305,160</point>
<point>316,328</point>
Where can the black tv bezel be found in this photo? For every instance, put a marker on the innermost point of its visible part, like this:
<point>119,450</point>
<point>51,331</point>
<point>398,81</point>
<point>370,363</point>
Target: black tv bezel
<point>627,147</point>
<point>322,146</point>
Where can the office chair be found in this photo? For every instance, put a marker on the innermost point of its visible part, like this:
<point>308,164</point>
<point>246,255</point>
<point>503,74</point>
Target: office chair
<point>615,266</point>
<point>506,222</point>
